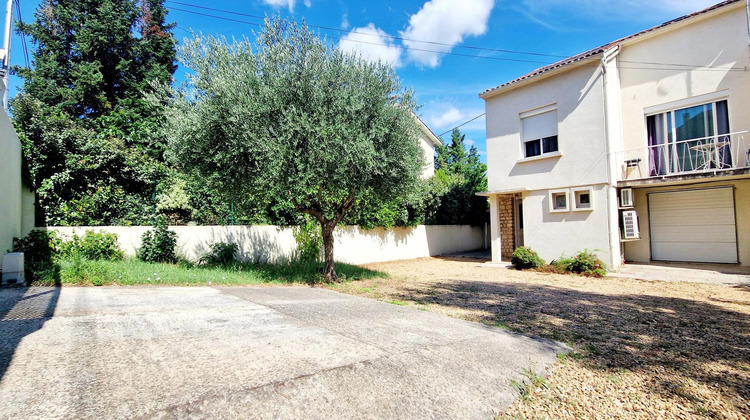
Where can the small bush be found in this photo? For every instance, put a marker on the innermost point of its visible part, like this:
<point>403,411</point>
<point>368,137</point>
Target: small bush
<point>158,245</point>
<point>40,249</point>
<point>587,263</point>
<point>524,258</point>
<point>309,240</point>
<point>93,246</point>
<point>222,253</point>
<point>561,265</point>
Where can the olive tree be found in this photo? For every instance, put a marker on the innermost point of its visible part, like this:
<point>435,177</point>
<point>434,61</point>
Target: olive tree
<point>290,117</point>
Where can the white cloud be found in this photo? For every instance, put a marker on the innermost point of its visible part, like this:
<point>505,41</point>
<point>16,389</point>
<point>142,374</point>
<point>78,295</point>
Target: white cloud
<point>372,44</point>
<point>447,119</point>
<point>447,22</point>
<point>345,22</point>
<point>469,142</point>
<point>624,9</point>
<point>286,3</point>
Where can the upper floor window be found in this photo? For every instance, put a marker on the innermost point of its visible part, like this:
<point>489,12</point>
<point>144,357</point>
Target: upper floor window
<point>689,139</point>
<point>539,131</point>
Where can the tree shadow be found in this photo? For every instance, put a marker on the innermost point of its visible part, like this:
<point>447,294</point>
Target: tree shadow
<point>23,311</point>
<point>637,332</point>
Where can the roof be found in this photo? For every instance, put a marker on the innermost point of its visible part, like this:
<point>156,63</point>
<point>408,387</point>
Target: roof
<point>599,50</point>
<point>431,137</point>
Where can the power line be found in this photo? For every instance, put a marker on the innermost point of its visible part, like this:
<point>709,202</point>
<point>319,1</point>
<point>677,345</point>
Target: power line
<point>328,28</point>
<point>463,123</point>
<point>516,60</point>
<point>666,66</point>
<point>183,29</point>
<point>23,35</point>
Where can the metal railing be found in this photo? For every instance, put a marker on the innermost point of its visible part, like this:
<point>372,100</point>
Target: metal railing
<point>706,154</point>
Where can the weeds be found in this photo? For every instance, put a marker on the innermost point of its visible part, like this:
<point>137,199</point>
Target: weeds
<point>531,382</point>
<point>134,272</point>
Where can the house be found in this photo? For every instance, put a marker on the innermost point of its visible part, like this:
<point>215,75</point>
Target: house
<point>428,141</point>
<point>637,150</point>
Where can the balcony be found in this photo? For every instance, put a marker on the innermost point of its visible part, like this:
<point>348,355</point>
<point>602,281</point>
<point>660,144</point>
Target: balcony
<point>699,157</point>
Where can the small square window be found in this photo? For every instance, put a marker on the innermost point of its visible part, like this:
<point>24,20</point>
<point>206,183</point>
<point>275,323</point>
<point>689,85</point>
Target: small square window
<point>558,201</point>
<point>582,199</point>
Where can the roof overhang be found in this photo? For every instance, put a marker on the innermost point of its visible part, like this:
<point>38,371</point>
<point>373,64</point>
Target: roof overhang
<point>431,137</point>
<point>595,54</point>
<point>542,74</point>
<point>502,192</point>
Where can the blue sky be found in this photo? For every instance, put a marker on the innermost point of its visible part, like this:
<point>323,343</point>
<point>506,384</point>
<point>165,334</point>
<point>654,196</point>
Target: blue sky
<point>462,57</point>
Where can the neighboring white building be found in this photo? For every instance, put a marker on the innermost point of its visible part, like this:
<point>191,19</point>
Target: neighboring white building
<point>16,201</point>
<point>637,150</point>
<point>428,141</point>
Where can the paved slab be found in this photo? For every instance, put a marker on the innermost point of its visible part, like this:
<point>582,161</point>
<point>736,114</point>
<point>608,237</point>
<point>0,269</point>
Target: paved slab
<point>724,274</point>
<point>287,352</point>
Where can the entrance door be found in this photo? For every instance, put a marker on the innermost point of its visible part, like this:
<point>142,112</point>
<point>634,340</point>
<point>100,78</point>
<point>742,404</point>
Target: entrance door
<point>518,221</point>
<point>693,225</point>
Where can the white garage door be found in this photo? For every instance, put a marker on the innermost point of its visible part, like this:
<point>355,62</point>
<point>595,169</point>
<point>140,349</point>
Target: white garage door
<point>693,226</point>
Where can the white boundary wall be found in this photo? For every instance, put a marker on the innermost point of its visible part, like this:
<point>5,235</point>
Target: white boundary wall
<point>16,202</point>
<point>274,244</point>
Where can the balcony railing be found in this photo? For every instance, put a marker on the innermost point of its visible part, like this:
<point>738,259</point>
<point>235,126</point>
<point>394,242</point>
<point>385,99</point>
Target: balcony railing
<point>706,154</point>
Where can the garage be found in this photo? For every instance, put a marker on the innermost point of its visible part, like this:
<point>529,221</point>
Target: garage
<point>695,225</point>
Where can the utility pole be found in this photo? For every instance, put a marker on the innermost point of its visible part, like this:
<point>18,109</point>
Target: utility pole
<point>5,52</point>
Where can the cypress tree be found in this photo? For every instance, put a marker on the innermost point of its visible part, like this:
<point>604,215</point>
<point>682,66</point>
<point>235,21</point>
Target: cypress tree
<point>92,143</point>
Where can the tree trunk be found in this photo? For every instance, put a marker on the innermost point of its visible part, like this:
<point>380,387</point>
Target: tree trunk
<point>327,232</point>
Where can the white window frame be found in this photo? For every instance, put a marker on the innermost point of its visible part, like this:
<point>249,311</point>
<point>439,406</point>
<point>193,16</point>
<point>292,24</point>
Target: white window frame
<point>574,198</point>
<point>542,154</point>
<point>552,195</point>
<point>669,124</point>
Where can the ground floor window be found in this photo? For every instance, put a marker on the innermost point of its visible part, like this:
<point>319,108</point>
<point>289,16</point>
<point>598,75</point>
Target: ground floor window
<point>558,201</point>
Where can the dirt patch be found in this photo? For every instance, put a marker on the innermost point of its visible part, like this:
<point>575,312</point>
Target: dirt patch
<point>642,349</point>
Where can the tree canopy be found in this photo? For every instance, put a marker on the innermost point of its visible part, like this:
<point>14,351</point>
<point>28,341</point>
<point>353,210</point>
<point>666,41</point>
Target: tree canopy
<point>92,143</point>
<point>464,175</point>
<point>290,117</point>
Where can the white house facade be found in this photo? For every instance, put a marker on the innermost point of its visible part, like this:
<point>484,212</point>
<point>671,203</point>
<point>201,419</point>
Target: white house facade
<point>428,141</point>
<point>637,150</point>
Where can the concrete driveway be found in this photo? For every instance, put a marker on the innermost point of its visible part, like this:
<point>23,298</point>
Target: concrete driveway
<point>285,352</point>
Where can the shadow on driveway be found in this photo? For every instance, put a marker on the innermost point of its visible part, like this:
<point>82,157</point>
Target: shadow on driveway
<point>676,339</point>
<point>23,311</point>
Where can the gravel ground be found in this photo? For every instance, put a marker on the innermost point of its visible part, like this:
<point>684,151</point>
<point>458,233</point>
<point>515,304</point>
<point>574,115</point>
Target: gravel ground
<point>642,349</point>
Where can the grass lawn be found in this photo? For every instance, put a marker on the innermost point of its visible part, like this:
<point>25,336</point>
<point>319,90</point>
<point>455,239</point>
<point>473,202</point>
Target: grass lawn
<point>641,349</point>
<point>134,272</point>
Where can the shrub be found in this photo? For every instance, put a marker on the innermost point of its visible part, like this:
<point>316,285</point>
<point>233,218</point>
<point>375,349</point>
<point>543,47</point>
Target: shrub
<point>524,258</point>
<point>221,253</point>
<point>40,249</point>
<point>93,246</point>
<point>309,240</point>
<point>587,263</point>
<point>158,245</point>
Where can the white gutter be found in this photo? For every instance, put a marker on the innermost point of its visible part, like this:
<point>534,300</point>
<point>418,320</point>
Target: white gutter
<point>614,142</point>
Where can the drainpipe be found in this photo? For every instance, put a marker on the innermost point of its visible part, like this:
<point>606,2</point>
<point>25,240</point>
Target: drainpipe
<point>611,128</point>
<point>747,17</point>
